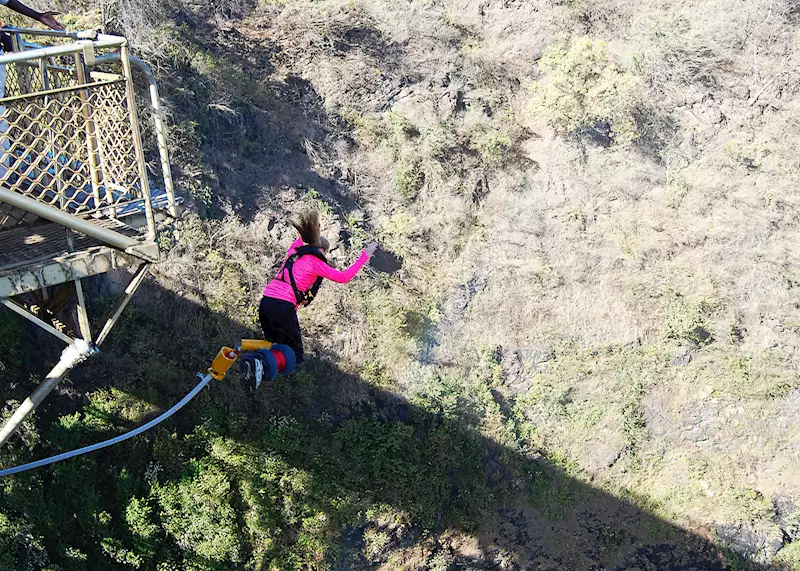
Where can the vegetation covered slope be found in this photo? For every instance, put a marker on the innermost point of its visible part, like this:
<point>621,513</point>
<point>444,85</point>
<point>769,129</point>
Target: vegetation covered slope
<point>580,340</point>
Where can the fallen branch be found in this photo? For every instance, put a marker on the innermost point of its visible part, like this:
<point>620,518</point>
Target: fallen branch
<point>766,86</point>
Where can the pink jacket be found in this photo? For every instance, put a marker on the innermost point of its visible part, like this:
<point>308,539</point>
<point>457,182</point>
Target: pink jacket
<point>306,270</point>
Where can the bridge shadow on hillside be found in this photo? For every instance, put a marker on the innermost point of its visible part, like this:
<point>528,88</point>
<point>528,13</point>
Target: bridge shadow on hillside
<point>427,460</point>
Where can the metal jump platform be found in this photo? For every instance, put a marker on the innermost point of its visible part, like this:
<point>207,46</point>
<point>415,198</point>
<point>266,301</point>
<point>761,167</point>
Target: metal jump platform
<point>75,198</point>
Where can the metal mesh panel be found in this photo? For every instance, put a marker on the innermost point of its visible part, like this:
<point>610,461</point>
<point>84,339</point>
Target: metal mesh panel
<point>73,149</point>
<point>70,137</point>
<point>118,161</point>
<point>45,151</point>
<point>40,75</point>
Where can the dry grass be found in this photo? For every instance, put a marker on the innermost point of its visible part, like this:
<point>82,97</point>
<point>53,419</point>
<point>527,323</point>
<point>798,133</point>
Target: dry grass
<point>621,260</point>
<point>644,293</point>
<point>639,256</point>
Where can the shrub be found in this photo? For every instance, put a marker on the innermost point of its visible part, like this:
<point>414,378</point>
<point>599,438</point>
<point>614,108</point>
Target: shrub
<point>672,53</point>
<point>109,407</point>
<point>199,514</point>
<point>442,561</point>
<point>688,320</point>
<point>491,144</point>
<point>583,89</point>
<point>790,554</point>
<point>390,130</point>
<point>408,177</point>
<point>388,321</point>
<point>397,234</point>
<point>375,541</point>
<point>140,518</point>
<point>19,547</point>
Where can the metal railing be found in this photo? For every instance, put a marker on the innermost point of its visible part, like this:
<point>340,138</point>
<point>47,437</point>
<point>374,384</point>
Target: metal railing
<point>69,134</point>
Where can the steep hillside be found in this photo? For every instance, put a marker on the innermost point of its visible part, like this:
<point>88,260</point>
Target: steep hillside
<point>577,349</point>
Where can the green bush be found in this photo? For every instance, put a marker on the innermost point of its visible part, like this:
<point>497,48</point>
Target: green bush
<point>634,427</point>
<point>398,232</point>
<point>583,88</point>
<point>442,561</point>
<point>408,177</point>
<point>388,319</point>
<point>198,513</point>
<point>19,548</point>
<point>109,407</point>
<point>375,541</point>
<point>790,555</point>
<point>432,473</point>
<point>141,520</point>
<point>390,130</point>
<point>491,144</point>
<point>687,320</point>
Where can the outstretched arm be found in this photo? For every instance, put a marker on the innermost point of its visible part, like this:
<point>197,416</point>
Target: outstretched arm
<point>46,18</point>
<point>335,275</point>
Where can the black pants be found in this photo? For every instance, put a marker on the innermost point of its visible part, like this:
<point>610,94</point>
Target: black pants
<point>279,322</point>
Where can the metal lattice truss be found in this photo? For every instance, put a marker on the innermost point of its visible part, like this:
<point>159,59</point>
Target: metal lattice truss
<point>69,137</point>
<point>74,194</point>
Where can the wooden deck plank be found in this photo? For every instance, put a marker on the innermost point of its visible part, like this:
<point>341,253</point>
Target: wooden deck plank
<point>25,245</point>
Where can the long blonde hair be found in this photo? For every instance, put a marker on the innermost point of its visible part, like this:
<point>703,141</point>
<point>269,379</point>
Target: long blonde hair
<point>309,229</point>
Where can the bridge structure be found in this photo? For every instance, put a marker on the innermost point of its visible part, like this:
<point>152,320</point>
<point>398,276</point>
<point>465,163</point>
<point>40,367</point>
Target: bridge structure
<point>76,200</point>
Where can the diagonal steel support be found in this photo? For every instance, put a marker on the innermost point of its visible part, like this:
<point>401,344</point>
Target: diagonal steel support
<point>83,314</point>
<point>31,317</point>
<point>123,303</point>
<point>77,352</point>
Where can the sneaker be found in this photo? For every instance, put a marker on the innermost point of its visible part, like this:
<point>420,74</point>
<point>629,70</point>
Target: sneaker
<point>247,370</point>
<point>247,379</point>
<point>259,372</point>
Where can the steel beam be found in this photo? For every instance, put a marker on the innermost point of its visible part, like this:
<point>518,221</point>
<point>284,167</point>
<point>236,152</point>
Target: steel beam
<point>71,356</point>
<point>19,310</point>
<point>101,41</point>
<point>83,315</point>
<point>62,270</point>
<point>129,291</point>
<point>81,35</point>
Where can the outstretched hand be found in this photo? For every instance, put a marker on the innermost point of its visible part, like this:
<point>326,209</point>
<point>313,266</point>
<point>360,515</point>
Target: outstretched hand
<point>49,20</point>
<point>370,249</point>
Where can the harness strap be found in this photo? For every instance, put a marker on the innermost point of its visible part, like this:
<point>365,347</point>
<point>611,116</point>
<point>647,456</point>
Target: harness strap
<point>302,297</point>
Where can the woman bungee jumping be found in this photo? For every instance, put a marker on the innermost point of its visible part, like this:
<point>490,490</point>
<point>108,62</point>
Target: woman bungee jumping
<point>298,281</point>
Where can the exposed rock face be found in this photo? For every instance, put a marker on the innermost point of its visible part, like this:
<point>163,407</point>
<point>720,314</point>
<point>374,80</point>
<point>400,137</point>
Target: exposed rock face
<point>758,542</point>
